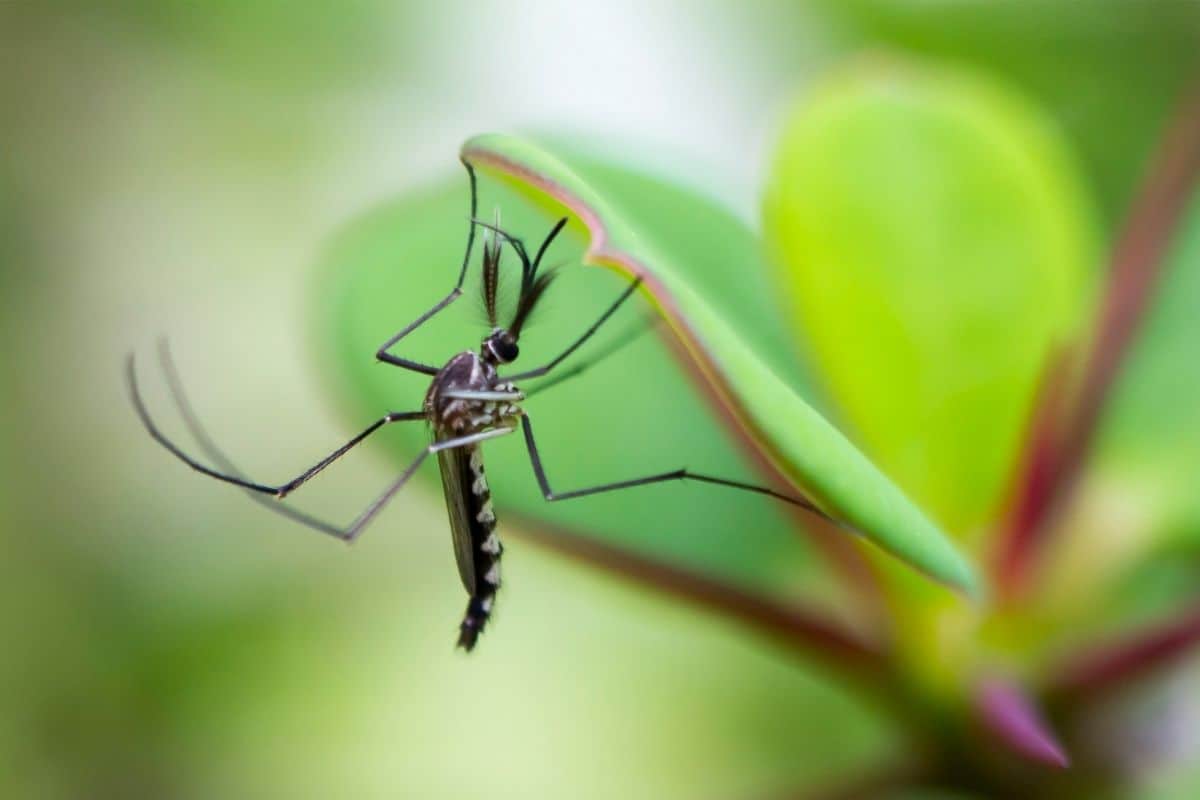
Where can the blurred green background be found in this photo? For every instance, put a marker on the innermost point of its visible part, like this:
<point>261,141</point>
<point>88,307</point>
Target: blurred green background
<point>171,168</point>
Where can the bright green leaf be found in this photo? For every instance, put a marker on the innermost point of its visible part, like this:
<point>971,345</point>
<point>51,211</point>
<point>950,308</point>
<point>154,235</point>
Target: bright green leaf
<point>933,241</point>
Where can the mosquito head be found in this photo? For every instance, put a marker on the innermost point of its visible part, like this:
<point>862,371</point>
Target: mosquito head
<point>500,347</point>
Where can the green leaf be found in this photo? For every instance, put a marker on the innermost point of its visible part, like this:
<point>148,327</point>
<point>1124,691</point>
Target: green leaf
<point>933,240</point>
<point>775,420</point>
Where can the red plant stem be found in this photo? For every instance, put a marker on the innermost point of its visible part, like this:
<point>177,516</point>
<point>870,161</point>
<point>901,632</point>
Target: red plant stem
<point>1103,668</point>
<point>1058,446</point>
<point>799,628</point>
<point>1035,473</point>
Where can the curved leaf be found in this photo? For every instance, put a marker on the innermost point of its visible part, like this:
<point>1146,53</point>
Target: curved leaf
<point>787,432</point>
<point>934,243</point>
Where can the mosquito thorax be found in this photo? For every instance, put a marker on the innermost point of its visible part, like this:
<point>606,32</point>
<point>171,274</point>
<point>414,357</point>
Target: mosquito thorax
<point>470,372</point>
<point>499,347</point>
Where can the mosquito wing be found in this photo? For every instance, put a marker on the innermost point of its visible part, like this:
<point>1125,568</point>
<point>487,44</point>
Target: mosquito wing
<point>457,481</point>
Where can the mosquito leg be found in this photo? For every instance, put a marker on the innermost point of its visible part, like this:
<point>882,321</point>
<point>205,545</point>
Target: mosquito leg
<point>558,226</point>
<point>552,496</point>
<point>390,417</point>
<point>381,354</point>
<point>471,394</point>
<point>519,245</point>
<point>351,533</point>
<point>346,534</point>
<point>278,491</point>
<point>355,528</point>
<point>218,457</point>
<point>542,370</point>
<point>626,338</point>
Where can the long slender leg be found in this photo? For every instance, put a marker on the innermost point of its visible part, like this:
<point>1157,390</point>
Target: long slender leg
<point>542,370</point>
<point>355,528</point>
<point>537,259</point>
<point>519,245</point>
<point>278,491</point>
<point>346,534</point>
<point>351,533</point>
<point>416,366</point>
<point>627,337</point>
<point>552,496</point>
<point>472,394</point>
<point>218,457</point>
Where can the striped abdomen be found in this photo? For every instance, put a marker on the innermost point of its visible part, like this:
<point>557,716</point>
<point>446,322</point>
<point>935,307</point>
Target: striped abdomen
<point>477,549</point>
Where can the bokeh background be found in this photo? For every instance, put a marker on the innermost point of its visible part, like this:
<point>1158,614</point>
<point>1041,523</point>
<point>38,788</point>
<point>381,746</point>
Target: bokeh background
<point>174,168</point>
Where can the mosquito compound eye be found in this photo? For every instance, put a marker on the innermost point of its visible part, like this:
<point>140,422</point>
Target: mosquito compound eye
<point>506,350</point>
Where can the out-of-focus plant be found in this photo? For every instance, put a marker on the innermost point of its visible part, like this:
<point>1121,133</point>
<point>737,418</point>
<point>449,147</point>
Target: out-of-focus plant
<point>935,286</point>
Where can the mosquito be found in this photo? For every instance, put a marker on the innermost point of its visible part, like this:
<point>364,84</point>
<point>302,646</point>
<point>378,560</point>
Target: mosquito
<point>467,404</point>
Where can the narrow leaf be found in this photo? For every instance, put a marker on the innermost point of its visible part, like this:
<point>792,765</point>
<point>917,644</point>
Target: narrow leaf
<point>1104,667</point>
<point>788,433</point>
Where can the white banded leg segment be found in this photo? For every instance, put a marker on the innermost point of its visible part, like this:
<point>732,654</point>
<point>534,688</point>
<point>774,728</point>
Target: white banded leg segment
<point>446,444</point>
<point>469,394</point>
<point>471,438</point>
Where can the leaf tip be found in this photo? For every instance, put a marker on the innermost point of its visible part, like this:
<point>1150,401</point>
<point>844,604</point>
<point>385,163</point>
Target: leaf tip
<point>1010,715</point>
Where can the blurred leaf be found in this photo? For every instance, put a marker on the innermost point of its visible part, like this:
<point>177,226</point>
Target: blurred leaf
<point>301,44</point>
<point>775,420</point>
<point>933,241</point>
<point>1064,55</point>
<point>633,414</point>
